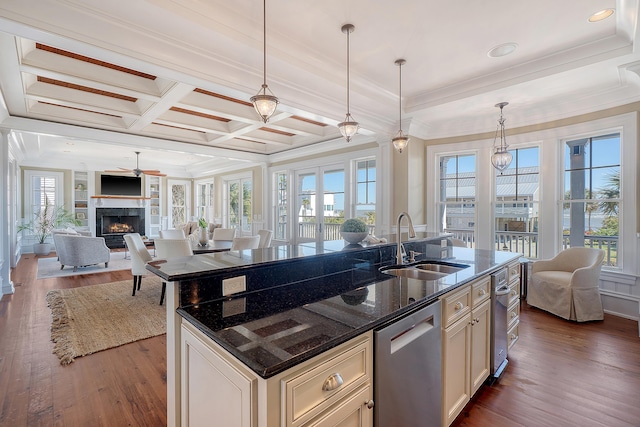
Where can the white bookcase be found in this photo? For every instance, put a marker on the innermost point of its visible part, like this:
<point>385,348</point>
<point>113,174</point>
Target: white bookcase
<point>154,192</point>
<point>82,185</point>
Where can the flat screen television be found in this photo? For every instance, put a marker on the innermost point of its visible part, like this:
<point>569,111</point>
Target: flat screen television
<point>120,185</point>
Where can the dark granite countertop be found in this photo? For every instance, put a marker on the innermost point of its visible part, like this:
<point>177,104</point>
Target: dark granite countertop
<point>203,264</point>
<point>274,329</point>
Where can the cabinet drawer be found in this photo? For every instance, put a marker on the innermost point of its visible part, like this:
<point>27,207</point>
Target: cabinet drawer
<point>309,392</point>
<point>514,293</point>
<point>480,291</point>
<point>456,306</point>
<point>512,335</point>
<point>514,271</point>
<point>513,314</point>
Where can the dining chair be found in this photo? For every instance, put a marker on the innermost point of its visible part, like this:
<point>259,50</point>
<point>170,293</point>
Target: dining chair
<point>265,238</point>
<point>171,248</point>
<point>172,234</point>
<point>245,242</point>
<point>140,256</point>
<point>224,234</point>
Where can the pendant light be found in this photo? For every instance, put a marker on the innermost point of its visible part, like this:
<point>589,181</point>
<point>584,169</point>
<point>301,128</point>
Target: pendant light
<point>501,157</point>
<point>265,103</point>
<point>401,140</point>
<point>349,127</point>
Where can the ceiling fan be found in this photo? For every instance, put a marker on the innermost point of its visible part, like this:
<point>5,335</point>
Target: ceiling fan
<point>137,171</point>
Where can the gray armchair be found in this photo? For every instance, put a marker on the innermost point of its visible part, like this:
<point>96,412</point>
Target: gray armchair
<point>80,251</point>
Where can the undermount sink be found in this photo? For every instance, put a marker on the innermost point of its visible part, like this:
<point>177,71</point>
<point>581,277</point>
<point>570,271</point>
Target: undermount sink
<point>424,270</point>
<point>441,268</point>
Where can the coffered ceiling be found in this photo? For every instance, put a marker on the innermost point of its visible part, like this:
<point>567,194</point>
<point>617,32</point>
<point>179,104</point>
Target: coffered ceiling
<point>173,78</point>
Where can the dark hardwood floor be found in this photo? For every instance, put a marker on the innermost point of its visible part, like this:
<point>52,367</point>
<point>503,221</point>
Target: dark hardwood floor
<point>560,373</point>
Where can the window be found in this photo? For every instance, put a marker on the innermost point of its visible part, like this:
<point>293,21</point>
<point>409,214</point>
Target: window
<point>366,191</point>
<point>180,200</point>
<point>44,188</point>
<point>457,196</point>
<point>281,206</point>
<point>516,209</point>
<point>591,197</point>
<point>205,200</point>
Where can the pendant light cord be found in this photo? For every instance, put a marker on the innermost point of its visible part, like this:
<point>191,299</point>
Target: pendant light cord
<point>400,97</point>
<point>348,112</point>
<point>264,40</point>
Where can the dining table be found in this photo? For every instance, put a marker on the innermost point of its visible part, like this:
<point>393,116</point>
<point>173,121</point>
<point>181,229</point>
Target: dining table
<point>212,246</point>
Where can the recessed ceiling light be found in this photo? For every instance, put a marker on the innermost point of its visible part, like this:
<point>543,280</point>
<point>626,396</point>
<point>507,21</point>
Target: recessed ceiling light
<point>599,16</point>
<point>503,49</point>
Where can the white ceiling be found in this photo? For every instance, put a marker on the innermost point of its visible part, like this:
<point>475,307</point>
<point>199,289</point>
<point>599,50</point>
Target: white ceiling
<point>563,66</point>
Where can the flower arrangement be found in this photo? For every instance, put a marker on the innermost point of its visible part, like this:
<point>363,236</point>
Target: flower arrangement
<point>353,225</point>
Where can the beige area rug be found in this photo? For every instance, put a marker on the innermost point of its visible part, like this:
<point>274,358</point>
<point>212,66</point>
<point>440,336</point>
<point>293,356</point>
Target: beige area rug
<point>97,317</point>
<point>50,267</point>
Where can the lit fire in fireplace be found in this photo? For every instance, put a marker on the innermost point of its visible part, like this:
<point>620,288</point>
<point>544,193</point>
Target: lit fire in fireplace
<point>120,228</point>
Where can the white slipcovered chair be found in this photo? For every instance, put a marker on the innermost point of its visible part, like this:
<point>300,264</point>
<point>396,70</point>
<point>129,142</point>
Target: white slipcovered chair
<point>567,285</point>
<point>224,234</point>
<point>172,234</point>
<point>245,242</point>
<point>80,251</point>
<point>140,256</point>
<point>171,248</point>
<point>265,238</point>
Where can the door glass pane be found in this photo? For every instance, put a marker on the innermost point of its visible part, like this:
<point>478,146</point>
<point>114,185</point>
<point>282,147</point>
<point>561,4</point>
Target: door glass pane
<point>281,207</point>
<point>178,205</point>
<point>246,206</point>
<point>306,206</point>
<point>234,204</point>
<point>333,203</point>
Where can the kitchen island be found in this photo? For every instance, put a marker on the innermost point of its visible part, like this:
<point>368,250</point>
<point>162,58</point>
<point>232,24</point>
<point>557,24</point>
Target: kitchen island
<point>264,315</point>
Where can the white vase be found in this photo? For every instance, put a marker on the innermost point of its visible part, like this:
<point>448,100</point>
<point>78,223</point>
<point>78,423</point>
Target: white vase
<point>202,239</point>
<point>41,248</point>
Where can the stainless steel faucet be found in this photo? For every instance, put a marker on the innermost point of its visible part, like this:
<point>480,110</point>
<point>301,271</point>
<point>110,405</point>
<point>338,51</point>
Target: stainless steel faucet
<point>412,233</point>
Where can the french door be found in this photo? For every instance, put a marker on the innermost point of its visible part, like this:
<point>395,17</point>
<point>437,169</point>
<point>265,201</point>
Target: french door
<point>319,203</point>
<point>180,202</point>
<point>239,205</point>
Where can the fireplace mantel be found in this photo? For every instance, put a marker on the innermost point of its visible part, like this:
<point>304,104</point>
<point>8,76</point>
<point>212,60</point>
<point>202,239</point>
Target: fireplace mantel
<point>122,197</point>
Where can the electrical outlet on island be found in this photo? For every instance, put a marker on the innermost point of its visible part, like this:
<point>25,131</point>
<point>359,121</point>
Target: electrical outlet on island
<point>233,285</point>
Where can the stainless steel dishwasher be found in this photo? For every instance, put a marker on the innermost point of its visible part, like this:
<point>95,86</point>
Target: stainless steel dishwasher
<point>408,371</point>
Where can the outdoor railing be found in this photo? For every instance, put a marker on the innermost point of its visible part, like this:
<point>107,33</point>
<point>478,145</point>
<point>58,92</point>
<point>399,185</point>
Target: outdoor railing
<point>308,230</point>
<point>609,244</point>
<point>527,243</point>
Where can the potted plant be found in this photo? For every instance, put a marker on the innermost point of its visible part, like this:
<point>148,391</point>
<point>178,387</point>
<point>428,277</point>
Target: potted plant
<point>44,222</point>
<point>354,230</point>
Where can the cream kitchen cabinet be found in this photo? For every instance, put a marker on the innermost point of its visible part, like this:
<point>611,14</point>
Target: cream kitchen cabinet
<point>513,311</point>
<point>466,339</point>
<point>331,389</point>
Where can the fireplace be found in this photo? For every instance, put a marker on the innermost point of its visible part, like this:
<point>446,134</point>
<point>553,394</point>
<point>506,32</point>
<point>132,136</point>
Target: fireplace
<point>114,223</point>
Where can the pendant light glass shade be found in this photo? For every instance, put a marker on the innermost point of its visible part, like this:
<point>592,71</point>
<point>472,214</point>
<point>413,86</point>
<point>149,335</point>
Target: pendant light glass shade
<point>401,140</point>
<point>349,127</point>
<point>501,157</point>
<point>264,103</point>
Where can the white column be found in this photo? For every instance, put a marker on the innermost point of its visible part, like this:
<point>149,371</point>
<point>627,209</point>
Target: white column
<point>6,285</point>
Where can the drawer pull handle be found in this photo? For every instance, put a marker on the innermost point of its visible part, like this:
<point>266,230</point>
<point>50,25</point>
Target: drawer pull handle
<point>369,403</point>
<point>482,292</point>
<point>333,382</point>
<point>513,314</point>
<point>458,306</point>
<point>513,336</point>
<point>514,293</point>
